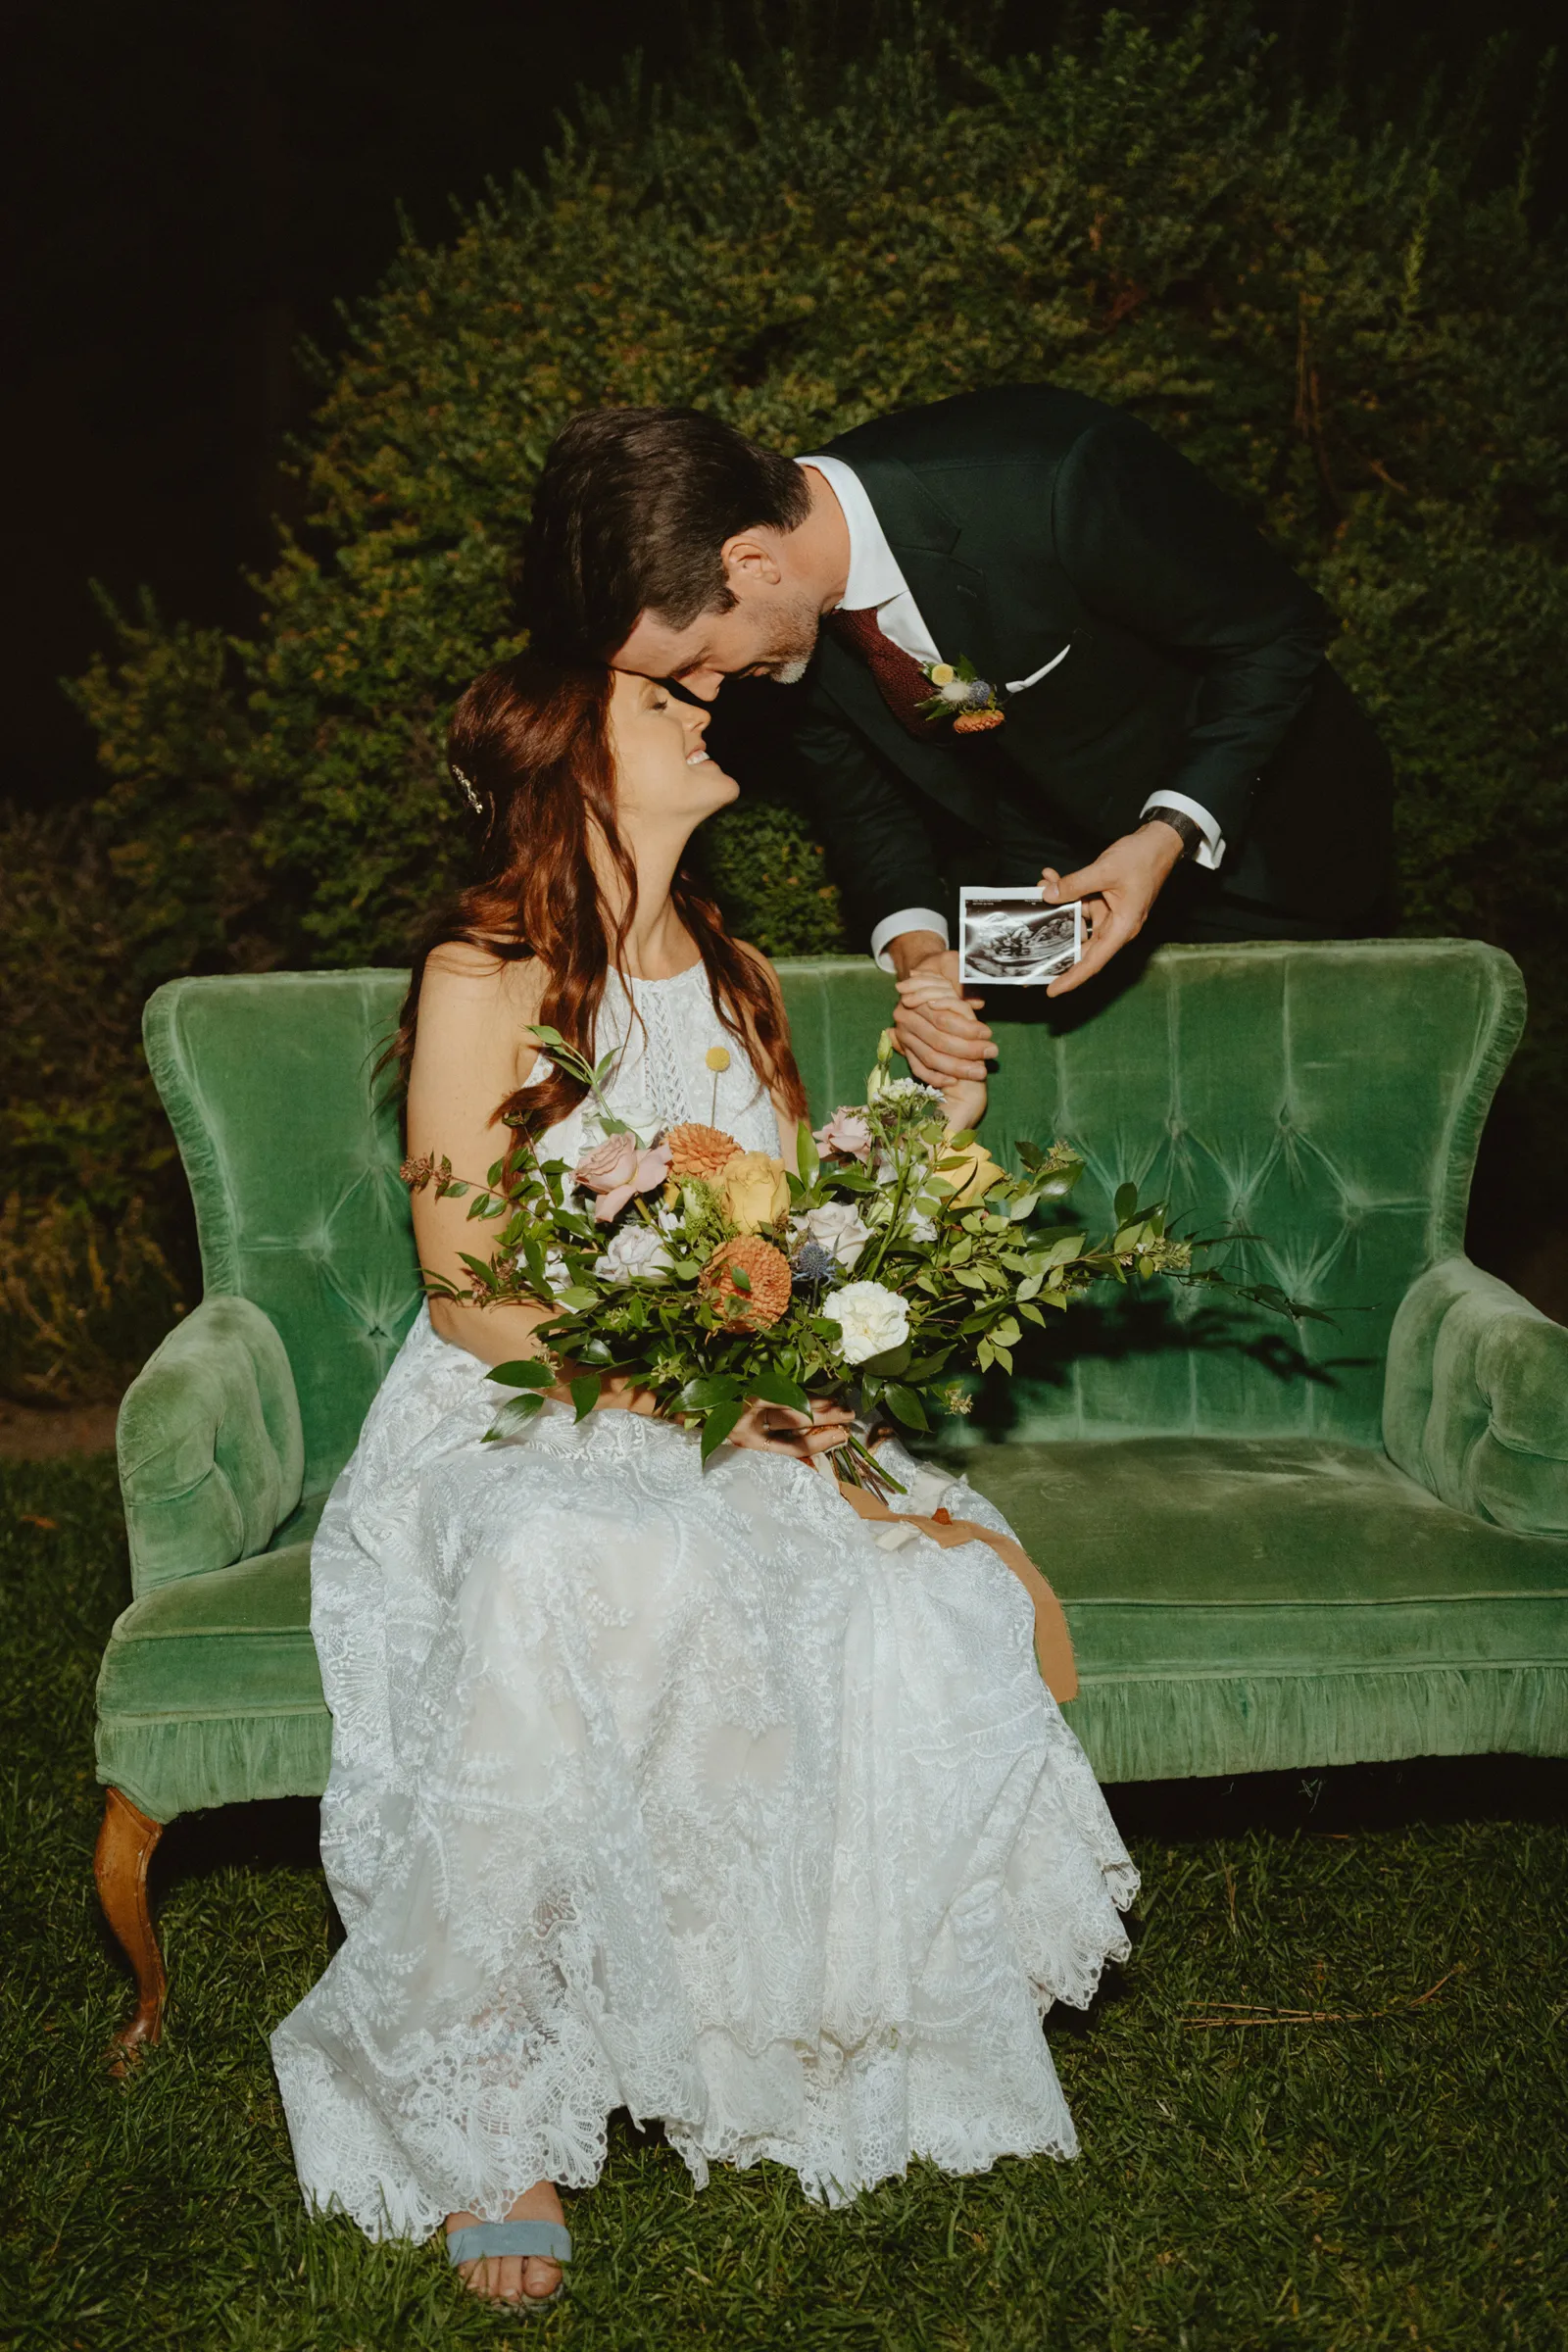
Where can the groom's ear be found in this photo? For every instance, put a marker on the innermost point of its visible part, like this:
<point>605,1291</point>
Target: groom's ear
<point>751,560</point>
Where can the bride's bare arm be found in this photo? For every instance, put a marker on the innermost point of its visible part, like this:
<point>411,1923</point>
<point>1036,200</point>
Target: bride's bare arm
<point>472,1050</point>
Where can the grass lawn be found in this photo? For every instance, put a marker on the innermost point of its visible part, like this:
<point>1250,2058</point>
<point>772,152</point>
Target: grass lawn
<point>1389,2175</point>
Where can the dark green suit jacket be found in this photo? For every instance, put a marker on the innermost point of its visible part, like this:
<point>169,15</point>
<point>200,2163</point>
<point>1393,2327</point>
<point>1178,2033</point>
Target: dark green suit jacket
<point>1029,520</point>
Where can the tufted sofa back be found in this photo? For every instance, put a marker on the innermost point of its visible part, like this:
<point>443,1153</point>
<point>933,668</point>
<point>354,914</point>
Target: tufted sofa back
<point>1327,1098</point>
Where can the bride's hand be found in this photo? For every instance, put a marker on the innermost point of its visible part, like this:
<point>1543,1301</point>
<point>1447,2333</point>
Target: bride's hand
<point>938,1025</point>
<point>965,1105</point>
<point>931,993</point>
<point>778,1429</point>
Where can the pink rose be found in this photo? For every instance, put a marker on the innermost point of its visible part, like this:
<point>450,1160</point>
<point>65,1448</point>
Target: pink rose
<point>618,1167</point>
<point>845,1132</point>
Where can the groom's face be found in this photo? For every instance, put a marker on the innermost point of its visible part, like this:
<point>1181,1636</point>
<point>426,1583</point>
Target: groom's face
<point>768,632</point>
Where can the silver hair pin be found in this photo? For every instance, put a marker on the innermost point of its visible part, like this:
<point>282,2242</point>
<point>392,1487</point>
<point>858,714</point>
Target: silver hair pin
<point>470,793</point>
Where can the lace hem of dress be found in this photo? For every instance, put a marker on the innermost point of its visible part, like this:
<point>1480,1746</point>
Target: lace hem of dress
<point>843,2120</point>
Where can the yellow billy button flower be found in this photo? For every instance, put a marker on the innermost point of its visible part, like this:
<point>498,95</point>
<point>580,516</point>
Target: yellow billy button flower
<point>717,1060</point>
<point>942,673</point>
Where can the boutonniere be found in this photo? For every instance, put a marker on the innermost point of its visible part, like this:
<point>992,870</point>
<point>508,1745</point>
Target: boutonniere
<point>959,694</point>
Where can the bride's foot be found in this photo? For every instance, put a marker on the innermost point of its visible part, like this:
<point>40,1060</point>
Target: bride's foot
<point>514,2277</point>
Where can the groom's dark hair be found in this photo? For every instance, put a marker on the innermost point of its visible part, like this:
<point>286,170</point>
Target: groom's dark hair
<point>632,512</point>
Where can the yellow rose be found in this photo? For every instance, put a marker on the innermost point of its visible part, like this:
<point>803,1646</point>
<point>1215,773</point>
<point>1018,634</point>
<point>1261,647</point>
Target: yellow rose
<point>972,1174</point>
<point>754,1190</point>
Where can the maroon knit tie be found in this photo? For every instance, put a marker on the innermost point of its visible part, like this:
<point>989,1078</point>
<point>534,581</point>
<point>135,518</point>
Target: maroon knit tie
<point>900,681</point>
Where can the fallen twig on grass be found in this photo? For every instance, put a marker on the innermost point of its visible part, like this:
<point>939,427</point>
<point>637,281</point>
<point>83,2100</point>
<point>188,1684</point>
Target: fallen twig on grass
<point>1259,2013</point>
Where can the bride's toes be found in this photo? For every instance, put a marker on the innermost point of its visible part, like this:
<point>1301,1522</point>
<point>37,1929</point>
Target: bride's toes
<point>512,2279</point>
<point>498,2279</point>
<point>540,2278</point>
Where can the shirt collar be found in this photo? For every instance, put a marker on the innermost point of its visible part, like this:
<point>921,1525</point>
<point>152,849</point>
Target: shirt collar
<point>874,575</point>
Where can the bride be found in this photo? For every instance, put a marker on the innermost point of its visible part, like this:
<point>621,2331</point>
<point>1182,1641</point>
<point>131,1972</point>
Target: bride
<point>653,1786</point>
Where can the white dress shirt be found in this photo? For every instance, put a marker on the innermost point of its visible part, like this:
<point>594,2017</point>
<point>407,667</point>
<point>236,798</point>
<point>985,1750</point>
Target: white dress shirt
<point>875,582</point>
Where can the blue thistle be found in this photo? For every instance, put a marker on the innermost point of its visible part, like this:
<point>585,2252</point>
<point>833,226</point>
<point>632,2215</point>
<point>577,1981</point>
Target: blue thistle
<point>813,1269</point>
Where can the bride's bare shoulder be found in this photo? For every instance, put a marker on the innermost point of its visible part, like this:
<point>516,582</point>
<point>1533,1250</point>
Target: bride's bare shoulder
<point>473,970</point>
<point>479,1005</point>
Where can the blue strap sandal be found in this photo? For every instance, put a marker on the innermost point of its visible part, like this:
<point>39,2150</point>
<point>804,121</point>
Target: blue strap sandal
<point>482,2242</point>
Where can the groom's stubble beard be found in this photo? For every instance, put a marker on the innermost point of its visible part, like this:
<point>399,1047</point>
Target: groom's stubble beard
<point>788,657</point>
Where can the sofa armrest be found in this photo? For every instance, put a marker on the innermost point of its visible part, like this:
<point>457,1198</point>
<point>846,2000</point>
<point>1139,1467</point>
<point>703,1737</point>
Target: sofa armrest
<point>1475,1400</point>
<point>212,1453</point>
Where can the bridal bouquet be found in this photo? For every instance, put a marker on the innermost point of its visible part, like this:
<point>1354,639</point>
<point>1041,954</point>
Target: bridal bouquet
<point>889,1260</point>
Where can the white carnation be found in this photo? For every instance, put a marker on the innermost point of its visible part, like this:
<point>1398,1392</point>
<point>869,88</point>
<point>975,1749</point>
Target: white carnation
<point>870,1317</point>
<point>838,1228</point>
<point>636,1254</point>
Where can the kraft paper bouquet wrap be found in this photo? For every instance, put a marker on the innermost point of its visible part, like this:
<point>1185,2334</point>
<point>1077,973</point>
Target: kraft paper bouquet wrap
<point>890,1260</point>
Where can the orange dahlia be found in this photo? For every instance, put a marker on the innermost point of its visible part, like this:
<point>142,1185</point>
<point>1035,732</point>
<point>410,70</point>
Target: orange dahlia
<point>765,1268</point>
<point>699,1150</point>
<point>977,722</point>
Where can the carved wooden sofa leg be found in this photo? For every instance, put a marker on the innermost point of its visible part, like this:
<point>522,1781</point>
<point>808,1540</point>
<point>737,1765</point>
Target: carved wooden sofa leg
<point>126,1843</point>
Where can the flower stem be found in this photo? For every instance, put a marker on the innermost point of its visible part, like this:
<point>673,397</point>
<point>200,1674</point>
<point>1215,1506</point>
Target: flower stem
<point>856,1465</point>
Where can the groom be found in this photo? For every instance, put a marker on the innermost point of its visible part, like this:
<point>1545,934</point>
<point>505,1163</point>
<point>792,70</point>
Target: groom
<point>1166,739</point>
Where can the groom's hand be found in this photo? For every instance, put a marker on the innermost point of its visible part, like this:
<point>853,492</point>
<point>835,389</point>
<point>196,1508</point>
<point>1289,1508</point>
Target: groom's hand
<point>1119,888</point>
<point>938,1028</point>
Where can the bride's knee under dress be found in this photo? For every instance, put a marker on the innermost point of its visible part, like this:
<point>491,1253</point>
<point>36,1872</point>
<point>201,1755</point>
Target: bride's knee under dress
<point>669,1788</point>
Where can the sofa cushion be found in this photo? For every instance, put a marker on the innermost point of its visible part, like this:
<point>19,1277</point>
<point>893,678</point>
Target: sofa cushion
<point>1237,1604</point>
<point>1243,1604</point>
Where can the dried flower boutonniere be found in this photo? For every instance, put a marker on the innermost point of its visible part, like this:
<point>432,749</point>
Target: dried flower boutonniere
<point>961,694</point>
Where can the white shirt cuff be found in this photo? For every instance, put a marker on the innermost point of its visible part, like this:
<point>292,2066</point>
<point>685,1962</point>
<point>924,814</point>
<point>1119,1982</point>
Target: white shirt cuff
<point>1213,845</point>
<point>909,918</point>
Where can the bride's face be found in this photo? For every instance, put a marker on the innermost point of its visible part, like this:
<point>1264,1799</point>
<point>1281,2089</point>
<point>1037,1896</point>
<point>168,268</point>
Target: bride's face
<point>663,772</point>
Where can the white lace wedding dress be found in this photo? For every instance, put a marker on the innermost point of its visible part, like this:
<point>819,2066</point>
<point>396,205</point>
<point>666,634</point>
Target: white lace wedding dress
<point>672,1789</point>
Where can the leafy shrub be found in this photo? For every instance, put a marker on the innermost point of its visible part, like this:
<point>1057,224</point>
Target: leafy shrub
<point>765,866</point>
<point>83,1301</point>
<point>189,891</point>
<point>93,1213</point>
<point>1359,342</point>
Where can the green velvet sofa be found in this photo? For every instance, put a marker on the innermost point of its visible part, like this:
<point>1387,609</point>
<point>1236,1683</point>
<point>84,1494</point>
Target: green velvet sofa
<point>1276,1546</point>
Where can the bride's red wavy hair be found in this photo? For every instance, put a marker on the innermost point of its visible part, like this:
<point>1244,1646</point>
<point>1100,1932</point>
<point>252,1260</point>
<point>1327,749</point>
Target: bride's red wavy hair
<point>533,742</point>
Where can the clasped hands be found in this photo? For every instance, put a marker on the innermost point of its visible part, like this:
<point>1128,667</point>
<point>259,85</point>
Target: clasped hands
<point>939,1029</point>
